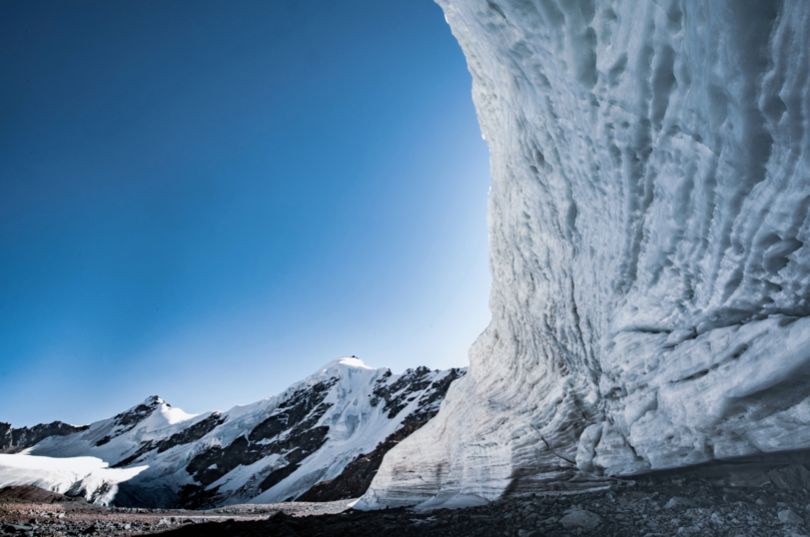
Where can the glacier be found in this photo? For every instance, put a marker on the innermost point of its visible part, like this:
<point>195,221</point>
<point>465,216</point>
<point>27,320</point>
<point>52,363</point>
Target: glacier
<point>648,231</point>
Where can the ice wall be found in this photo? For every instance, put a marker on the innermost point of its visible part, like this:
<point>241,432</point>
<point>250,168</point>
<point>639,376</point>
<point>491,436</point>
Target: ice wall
<point>648,227</point>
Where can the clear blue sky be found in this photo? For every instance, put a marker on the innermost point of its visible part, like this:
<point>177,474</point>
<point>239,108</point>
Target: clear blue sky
<point>209,200</point>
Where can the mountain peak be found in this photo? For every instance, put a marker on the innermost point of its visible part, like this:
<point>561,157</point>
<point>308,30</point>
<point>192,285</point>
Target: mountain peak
<point>352,362</point>
<point>153,400</point>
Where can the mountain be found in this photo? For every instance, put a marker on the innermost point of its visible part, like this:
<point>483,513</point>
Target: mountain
<point>301,442</point>
<point>15,440</point>
<point>650,246</point>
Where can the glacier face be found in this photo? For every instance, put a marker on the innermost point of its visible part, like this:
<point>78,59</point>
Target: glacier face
<point>648,228</point>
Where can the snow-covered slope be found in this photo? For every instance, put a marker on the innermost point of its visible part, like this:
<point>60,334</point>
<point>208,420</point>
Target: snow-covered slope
<point>649,235</point>
<point>88,477</point>
<point>269,451</point>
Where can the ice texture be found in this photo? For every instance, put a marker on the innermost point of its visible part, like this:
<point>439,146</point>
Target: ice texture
<point>648,228</point>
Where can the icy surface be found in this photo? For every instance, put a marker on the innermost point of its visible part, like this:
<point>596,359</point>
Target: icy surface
<point>648,229</point>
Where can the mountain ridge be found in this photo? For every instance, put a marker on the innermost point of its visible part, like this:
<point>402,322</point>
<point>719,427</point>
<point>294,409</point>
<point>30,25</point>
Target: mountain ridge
<point>275,449</point>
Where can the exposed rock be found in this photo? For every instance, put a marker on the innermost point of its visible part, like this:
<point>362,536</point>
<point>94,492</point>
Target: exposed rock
<point>15,440</point>
<point>185,436</point>
<point>357,476</point>
<point>580,518</point>
<point>28,493</point>
<point>787,516</point>
<point>678,502</point>
<point>126,421</point>
<point>210,465</point>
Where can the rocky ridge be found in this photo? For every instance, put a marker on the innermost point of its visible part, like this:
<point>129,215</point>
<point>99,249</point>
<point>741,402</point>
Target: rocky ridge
<point>14,440</point>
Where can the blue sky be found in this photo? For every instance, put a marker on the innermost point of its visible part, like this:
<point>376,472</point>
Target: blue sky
<point>208,201</point>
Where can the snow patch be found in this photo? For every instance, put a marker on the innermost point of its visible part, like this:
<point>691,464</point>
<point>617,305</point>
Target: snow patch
<point>89,477</point>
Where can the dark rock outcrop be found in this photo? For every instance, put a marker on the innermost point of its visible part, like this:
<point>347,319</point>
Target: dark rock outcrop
<point>14,440</point>
<point>186,436</point>
<point>357,476</point>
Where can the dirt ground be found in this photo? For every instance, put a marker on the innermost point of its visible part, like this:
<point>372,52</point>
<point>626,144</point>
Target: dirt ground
<point>31,511</point>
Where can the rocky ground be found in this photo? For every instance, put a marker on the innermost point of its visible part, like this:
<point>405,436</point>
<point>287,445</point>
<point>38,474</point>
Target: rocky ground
<point>28,511</point>
<point>696,508</point>
<point>650,508</point>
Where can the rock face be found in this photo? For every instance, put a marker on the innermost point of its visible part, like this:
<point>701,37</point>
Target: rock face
<point>346,414</point>
<point>649,230</point>
<point>356,476</point>
<point>15,440</point>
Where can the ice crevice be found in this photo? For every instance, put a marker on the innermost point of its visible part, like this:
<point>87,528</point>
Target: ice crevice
<point>648,230</point>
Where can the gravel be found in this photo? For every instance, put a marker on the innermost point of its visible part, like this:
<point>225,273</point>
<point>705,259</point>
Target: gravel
<point>627,509</point>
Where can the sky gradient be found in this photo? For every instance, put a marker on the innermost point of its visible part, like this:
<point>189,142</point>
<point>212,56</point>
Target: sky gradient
<point>209,203</point>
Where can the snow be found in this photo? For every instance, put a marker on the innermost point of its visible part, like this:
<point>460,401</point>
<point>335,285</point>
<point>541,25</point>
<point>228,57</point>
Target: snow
<point>346,361</point>
<point>648,229</point>
<point>173,415</point>
<point>89,476</point>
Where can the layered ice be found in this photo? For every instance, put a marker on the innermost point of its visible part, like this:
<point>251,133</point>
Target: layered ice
<point>648,228</point>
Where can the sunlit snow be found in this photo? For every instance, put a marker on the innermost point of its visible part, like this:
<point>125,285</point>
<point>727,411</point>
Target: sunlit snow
<point>90,477</point>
